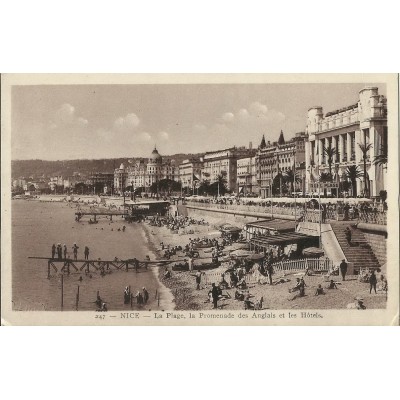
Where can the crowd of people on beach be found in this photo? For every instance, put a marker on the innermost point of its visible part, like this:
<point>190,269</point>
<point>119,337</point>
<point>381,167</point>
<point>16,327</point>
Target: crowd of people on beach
<point>176,223</point>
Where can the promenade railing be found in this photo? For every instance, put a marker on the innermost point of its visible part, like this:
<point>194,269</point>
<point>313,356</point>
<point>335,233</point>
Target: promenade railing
<point>371,217</point>
<point>247,208</point>
<point>302,213</point>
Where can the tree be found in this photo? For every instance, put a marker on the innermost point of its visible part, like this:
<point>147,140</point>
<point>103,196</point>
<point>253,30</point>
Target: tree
<point>325,177</point>
<point>81,188</point>
<point>290,178</point>
<point>365,149</point>
<point>220,184</point>
<point>139,190</point>
<point>165,186</point>
<point>99,187</point>
<point>330,152</point>
<point>353,173</point>
<point>277,184</point>
<point>204,187</point>
<point>382,158</point>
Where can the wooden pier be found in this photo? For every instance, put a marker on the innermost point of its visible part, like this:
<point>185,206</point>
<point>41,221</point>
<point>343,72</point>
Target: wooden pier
<point>68,265</point>
<point>98,213</point>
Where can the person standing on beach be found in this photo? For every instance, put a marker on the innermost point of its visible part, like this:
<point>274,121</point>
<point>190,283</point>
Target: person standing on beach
<point>270,270</point>
<point>191,263</point>
<point>343,269</point>
<point>86,252</point>
<point>139,298</point>
<point>145,295</point>
<point>53,250</point>
<point>214,294</point>
<point>198,279</point>
<point>127,295</point>
<point>75,249</point>
<point>372,282</point>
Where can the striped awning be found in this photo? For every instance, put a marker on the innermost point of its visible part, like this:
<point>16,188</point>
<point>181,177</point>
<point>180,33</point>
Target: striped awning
<point>284,239</point>
<point>280,225</point>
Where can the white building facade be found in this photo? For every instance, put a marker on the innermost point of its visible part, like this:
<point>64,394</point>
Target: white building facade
<point>144,172</point>
<point>190,172</point>
<point>224,162</point>
<point>344,130</point>
<point>246,176</point>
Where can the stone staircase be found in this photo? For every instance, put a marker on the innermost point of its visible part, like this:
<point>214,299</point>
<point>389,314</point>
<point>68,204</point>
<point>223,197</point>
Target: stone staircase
<point>359,252</point>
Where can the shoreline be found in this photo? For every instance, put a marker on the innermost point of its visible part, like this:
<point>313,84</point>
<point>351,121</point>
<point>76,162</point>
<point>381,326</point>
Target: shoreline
<point>182,284</point>
<point>276,297</point>
<point>179,285</point>
<point>167,299</point>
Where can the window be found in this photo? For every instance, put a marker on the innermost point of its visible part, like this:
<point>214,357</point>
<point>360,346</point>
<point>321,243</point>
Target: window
<point>352,146</point>
<point>344,149</point>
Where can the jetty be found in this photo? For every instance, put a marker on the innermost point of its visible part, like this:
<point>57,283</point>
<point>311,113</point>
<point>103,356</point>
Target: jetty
<point>131,210</point>
<point>66,265</point>
<point>97,213</point>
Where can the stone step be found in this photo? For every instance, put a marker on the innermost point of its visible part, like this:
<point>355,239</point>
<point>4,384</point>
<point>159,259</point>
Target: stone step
<point>360,253</point>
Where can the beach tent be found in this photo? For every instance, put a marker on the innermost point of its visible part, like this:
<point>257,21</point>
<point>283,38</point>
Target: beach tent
<point>241,253</point>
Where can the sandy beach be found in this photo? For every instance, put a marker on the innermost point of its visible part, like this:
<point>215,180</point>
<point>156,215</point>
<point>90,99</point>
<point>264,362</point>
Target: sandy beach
<point>186,297</point>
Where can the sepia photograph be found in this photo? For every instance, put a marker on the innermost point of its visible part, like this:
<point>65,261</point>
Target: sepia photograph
<point>195,199</point>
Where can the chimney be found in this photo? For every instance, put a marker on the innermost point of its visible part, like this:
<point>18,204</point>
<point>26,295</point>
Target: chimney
<point>250,145</point>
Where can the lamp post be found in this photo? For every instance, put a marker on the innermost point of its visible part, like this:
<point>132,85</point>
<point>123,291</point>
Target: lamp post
<point>272,206</point>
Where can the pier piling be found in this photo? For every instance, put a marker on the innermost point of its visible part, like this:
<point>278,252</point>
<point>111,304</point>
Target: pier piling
<point>62,292</point>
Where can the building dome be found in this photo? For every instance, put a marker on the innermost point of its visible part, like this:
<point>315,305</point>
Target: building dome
<point>155,156</point>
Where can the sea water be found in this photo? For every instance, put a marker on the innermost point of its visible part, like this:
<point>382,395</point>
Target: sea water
<point>37,225</point>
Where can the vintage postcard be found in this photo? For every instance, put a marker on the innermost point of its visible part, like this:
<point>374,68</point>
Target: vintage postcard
<point>215,199</point>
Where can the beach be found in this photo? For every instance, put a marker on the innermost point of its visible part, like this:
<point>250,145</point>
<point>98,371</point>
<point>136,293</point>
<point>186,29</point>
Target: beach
<point>275,297</point>
<point>37,225</point>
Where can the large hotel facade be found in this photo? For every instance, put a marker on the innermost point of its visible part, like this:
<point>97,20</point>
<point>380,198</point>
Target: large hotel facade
<point>144,172</point>
<point>224,162</point>
<point>274,160</point>
<point>358,133</point>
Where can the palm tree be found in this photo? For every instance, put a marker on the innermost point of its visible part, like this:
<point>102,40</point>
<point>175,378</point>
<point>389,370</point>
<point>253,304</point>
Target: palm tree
<point>290,178</point>
<point>330,152</point>
<point>353,173</point>
<point>325,177</point>
<point>221,179</point>
<point>382,158</point>
<point>365,147</point>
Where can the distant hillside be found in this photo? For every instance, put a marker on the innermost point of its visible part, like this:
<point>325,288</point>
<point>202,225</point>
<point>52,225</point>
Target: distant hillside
<point>44,169</point>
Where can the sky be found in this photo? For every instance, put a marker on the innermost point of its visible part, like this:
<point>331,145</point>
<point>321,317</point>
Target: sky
<point>62,122</point>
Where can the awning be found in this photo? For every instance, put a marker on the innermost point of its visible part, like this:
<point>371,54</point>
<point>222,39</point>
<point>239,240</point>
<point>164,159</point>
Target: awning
<point>313,251</point>
<point>280,225</point>
<point>284,239</point>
